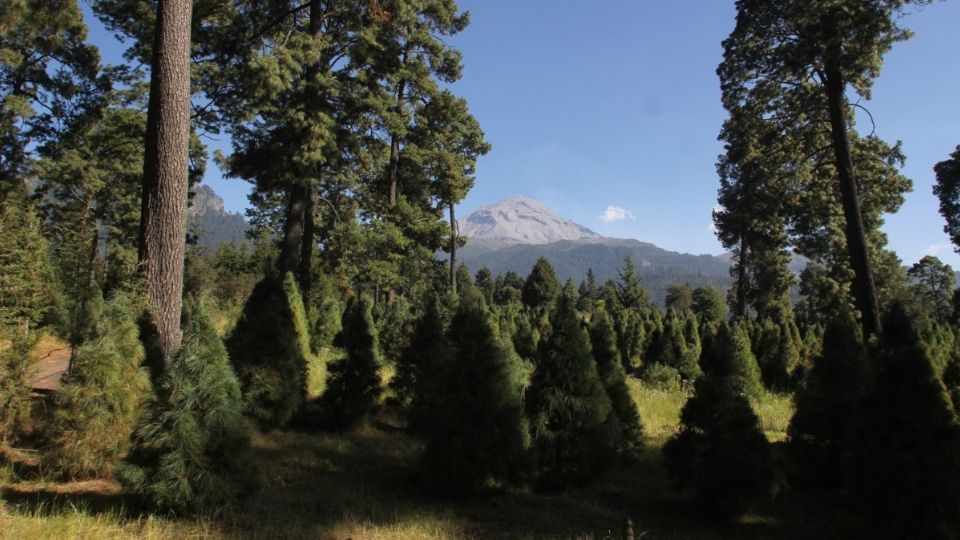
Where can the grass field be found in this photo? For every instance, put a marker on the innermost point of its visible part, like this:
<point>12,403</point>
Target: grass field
<point>364,484</point>
<point>660,411</point>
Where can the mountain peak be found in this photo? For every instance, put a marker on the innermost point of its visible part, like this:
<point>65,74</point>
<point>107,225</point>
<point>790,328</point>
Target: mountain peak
<point>522,220</point>
<point>520,199</point>
<point>210,221</point>
<point>205,199</point>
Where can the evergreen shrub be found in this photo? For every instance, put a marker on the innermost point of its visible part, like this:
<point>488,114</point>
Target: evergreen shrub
<point>353,384</point>
<point>906,457</point>
<point>269,350</point>
<point>15,365</point>
<point>192,450</point>
<point>721,453</point>
<point>604,346</point>
<point>425,354</point>
<point>475,429</point>
<point>568,406</point>
<point>98,406</point>
<point>820,430</point>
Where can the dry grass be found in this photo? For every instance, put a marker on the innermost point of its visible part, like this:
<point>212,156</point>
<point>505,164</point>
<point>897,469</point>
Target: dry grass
<point>362,484</point>
<point>79,524</point>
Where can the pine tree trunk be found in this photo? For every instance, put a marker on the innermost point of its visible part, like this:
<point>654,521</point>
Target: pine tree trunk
<point>92,258</point>
<point>289,259</point>
<point>306,248</point>
<point>395,146</point>
<point>741,307</point>
<point>81,310</point>
<point>453,251</point>
<point>864,289</point>
<point>295,247</point>
<point>78,292</point>
<point>163,211</point>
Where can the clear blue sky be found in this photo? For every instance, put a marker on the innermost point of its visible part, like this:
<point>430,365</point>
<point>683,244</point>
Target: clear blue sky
<point>616,103</point>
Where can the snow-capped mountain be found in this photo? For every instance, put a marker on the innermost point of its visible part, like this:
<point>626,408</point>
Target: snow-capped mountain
<point>520,220</point>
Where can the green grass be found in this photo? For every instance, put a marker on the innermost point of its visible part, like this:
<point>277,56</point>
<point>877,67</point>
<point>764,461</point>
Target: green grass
<point>317,370</point>
<point>364,484</point>
<point>775,412</point>
<point>78,523</point>
<point>660,411</point>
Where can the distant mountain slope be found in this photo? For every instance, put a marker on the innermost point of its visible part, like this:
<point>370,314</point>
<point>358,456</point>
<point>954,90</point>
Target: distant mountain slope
<point>519,220</point>
<point>512,234</point>
<point>212,224</point>
<point>657,267</point>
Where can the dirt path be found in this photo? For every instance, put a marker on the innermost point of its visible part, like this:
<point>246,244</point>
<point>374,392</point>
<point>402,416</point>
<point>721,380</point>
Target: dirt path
<point>53,358</point>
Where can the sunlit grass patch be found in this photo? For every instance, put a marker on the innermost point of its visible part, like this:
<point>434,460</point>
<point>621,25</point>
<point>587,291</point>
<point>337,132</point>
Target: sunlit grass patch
<point>659,409</point>
<point>387,372</point>
<point>317,370</point>
<point>418,526</point>
<point>81,524</point>
<point>775,411</point>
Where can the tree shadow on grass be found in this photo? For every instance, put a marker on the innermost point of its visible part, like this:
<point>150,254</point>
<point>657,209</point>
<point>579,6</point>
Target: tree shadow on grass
<point>93,497</point>
<point>366,483</point>
<point>310,483</point>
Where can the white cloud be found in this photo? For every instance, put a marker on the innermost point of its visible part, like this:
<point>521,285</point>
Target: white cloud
<point>615,213</point>
<point>936,249</point>
<point>711,226</point>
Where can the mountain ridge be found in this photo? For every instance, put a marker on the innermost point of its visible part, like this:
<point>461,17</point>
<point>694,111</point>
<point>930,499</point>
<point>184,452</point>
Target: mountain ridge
<point>502,250</point>
<point>572,249</point>
<point>210,223</point>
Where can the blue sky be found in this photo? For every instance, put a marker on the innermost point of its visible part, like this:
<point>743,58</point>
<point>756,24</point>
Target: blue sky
<point>616,103</point>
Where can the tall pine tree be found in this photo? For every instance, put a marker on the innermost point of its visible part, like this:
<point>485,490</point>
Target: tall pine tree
<point>786,69</point>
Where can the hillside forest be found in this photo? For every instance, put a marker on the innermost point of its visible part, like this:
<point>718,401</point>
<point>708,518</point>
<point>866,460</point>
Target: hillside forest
<point>331,376</point>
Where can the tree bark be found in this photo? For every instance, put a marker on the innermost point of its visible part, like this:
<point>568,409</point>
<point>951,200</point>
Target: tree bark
<point>83,294</point>
<point>289,259</point>
<point>395,146</point>
<point>864,288</point>
<point>295,248</point>
<point>453,250</point>
<point>163,210</point>
<point>78,292</point>
<point>306,247</point>
<point>741,306</point>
